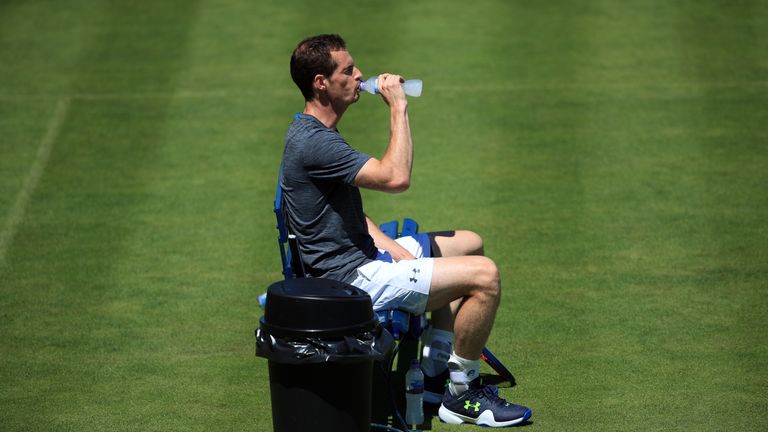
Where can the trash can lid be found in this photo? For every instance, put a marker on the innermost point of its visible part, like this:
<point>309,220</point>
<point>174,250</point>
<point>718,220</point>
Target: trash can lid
<point>315,307</point>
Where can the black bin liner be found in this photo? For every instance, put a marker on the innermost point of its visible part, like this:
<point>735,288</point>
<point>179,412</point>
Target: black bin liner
<point>313,320</point>
<point>321,339</point>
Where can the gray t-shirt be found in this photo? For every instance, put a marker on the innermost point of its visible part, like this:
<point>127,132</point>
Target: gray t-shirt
<point>323,208</point>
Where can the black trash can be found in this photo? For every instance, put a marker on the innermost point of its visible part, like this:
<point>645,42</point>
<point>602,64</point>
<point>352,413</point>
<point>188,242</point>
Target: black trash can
<point>321,338</point>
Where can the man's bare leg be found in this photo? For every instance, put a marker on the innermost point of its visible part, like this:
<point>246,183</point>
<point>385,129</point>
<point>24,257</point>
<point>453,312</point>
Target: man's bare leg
<point>474,281</point>
<point>447,244</point>
<point>455,243</point>
<point>463,300</point>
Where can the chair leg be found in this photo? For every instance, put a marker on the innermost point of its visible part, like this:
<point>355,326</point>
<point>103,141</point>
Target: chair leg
<point>389,377</point>
<point>496,365</point>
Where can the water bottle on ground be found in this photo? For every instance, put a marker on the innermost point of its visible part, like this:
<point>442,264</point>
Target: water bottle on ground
<point>414,394</point>
<point>410,87</point>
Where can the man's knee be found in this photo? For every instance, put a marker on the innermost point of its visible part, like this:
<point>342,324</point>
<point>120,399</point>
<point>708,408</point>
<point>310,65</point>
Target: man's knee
<point>488,279</point>
<point>474,243</point>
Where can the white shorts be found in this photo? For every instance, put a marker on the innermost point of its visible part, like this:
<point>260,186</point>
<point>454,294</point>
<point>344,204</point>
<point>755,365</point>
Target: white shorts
<point>399,285</point>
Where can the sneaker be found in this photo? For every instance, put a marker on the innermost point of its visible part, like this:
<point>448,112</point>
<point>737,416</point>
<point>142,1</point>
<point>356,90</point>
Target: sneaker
<point>435,387</point>
<point>481,405</point>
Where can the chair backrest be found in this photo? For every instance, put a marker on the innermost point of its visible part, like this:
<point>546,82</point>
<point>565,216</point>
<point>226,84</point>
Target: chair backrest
<point>410,227</point>
<point>287,242</point>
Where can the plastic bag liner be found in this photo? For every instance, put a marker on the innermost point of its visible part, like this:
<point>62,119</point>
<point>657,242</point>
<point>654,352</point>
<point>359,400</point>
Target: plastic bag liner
<point>313,320</point>
<point>349,349</point>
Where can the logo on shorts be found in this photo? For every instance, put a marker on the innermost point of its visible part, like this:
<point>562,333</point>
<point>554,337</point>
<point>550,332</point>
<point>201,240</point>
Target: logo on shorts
<point>413,279</point>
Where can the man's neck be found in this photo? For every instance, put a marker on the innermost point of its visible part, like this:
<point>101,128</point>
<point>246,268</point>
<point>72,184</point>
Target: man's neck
<point>323,111</point>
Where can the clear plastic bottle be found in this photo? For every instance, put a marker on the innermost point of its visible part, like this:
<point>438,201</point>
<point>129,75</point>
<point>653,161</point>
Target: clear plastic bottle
<point>414,394</point>
<point>411,87</point>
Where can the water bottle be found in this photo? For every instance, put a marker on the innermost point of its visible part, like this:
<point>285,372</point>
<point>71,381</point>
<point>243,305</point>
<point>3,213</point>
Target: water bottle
<point>410,87</point>
<point>414,394</point>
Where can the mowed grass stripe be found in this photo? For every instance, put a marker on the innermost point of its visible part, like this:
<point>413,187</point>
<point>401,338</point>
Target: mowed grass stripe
<point>435,88</point>
<point>16,213</point>
<point>102,367</point>
<point>621,268</point>
<point>731,263</point>
<point>645,188</point>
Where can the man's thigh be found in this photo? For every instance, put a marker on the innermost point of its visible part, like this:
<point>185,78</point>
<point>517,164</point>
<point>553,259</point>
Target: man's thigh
<point>455,243</point>
<point>397,285</point>
<point>418,245</point>
<point>411,284</point>
<point>456,277</point>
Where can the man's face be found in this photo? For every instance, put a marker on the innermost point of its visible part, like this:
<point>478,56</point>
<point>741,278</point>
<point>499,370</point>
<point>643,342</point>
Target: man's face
<point>344,84</point>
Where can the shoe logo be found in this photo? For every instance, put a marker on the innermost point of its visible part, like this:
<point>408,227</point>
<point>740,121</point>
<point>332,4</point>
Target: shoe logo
<point>413,279</point>
<point>468,405</point>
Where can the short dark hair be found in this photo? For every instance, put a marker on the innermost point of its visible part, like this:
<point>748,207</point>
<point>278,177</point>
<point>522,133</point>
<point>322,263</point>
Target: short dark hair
<point>312,56</point>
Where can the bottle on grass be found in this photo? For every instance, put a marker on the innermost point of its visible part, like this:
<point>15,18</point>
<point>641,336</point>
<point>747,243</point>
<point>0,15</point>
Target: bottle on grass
<point>414,394</point>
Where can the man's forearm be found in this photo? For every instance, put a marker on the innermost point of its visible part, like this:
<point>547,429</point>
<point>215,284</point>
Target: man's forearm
<point>384,242</point>
<point>392,173</point>
<point>399,154</point>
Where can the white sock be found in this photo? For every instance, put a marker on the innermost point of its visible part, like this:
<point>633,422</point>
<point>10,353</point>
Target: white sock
<point>463,371</point>
<point>437,349</point>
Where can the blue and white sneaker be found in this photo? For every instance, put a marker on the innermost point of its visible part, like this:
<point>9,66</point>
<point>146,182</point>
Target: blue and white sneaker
<point>435,387</point>
<point>481,405</point>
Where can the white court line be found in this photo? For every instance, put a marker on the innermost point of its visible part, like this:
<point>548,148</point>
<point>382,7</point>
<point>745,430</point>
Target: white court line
<point>16,215</point>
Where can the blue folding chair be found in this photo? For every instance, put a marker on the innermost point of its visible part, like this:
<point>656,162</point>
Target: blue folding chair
<point>401,324</point>
<point>287,243</point>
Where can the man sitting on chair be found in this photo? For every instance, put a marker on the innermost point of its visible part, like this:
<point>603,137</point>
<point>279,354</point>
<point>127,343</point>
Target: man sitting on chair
<point>337,240</point>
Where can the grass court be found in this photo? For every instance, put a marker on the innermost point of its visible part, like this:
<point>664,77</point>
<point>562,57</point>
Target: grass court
<point>614,156</point>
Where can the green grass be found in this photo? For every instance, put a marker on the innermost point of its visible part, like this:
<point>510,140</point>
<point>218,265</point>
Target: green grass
<point>612,154</point>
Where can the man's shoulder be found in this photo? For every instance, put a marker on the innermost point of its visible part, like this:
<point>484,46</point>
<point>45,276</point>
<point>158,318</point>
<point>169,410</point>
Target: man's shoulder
<point>308,130</point>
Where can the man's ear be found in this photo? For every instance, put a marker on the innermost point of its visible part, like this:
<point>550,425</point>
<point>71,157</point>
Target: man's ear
<point>320,83</point>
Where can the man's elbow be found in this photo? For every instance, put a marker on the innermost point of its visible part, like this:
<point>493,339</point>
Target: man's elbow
<point>385,180</point>
<point>397,179</point>
<point>399,185</point>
